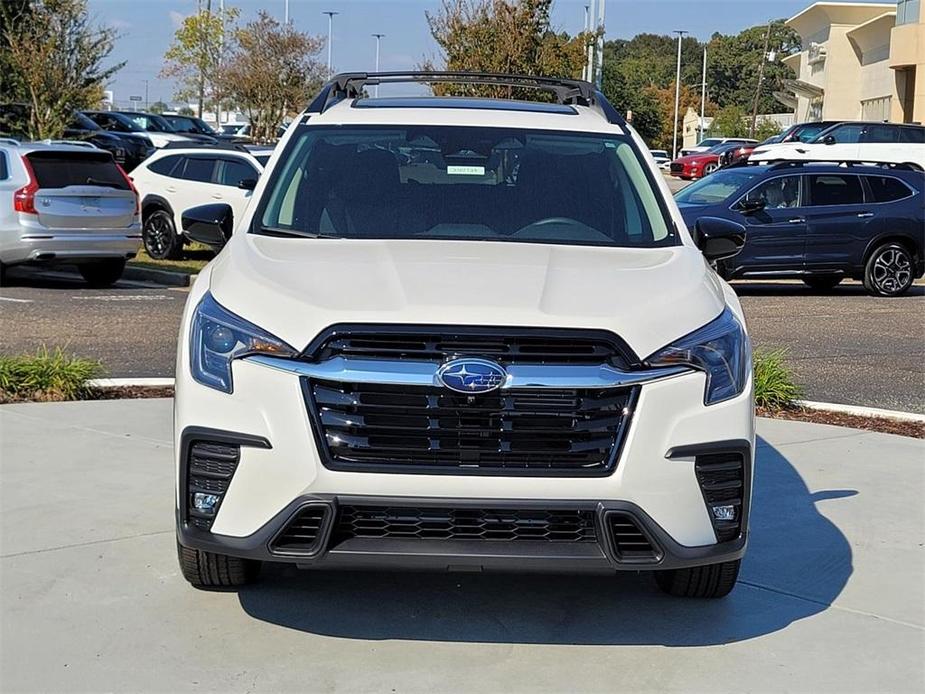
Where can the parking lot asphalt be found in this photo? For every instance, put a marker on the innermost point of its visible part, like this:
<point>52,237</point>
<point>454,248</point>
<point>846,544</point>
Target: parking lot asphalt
<point>844,346</point>
<point>92,598</point>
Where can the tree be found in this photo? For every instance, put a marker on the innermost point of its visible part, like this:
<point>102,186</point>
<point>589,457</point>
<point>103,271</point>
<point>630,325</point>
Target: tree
<point>158,107</point>
<point>507,36</point>
<point>271,69</point>
<point>195,57</point>
<point>186,111</point>
<point>55,55</point>
<point>766,128</point>
<point>731,121</point>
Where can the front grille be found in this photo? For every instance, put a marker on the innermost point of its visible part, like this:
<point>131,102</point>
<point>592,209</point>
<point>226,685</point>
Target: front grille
<point>303,533</point>
<point>432,429</point>
<point>722,481</point>
<point>507,346</point>
<point>430,523</point>
<point>210,469</point>
<point>629,541</point>
<point>677,168</point>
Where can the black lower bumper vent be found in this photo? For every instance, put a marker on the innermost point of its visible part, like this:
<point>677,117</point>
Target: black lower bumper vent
<point>211,467</point>
<point>629,542</point>
<point>722,481</point>
<point>304,533</point>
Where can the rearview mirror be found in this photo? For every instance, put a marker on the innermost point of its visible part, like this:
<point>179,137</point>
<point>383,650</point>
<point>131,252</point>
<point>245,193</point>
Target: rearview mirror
<point>718,238</point>
<point>209,224</point>
<point>828,140</point>
<point>247,183</point>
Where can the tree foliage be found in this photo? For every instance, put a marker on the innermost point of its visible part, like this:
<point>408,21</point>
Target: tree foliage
<point>54,54</point>
<point>195,57</point>
<point>506,36</point>
<point>272,68</point>
<point>731,121</point>
<point>159,107</point>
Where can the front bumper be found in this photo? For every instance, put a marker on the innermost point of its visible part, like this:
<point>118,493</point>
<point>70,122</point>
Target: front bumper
<point>654,482</point>
<point>65,246</point>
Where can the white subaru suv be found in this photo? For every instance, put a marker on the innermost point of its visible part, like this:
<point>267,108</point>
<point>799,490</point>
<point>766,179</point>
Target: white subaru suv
<point>463,334</point>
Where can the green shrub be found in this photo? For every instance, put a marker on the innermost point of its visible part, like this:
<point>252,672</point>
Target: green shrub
<point>775,387</point>
<point>46,376</point>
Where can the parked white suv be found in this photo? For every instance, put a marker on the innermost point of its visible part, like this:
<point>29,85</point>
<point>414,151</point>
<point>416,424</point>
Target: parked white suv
<point>66,204</point>
<point>854,141</point>
<point>171,180</point>
<point>463,334</point>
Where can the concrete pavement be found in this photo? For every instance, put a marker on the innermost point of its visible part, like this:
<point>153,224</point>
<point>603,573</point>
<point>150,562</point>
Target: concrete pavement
<point>830,597</point>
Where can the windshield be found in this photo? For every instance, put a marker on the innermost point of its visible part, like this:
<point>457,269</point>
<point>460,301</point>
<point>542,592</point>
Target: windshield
<point>808,133</point>
<point>468,183</point>
<point>714,188</point>
<point>150,122</point>
<point>80,121</point>
<point>711,142</point>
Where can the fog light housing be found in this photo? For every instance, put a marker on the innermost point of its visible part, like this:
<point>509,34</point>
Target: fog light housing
<point>724,513</point>
<point>205,503</point>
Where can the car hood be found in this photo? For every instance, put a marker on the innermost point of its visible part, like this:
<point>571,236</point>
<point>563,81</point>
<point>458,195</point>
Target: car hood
<point>779,150</point>
<point>696,158</point>
<point>295,288</point>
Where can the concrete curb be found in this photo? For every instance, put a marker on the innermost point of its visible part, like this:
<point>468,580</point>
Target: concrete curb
<point>862,411</point>
<point>168,278</point>
<point>808,404</point>
<point>130,382</point>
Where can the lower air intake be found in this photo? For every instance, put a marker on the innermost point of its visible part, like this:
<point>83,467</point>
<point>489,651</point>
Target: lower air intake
<point>304,533</point>
<point>722,481</point>
<point>629,542</point>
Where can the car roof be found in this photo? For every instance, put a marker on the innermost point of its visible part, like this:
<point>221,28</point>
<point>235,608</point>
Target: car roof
<point>51,146</point>
<point>466,111</point>
<point>810,167</point>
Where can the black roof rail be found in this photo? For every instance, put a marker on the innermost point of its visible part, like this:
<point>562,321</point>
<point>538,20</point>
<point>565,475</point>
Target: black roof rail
<point>789,163</point>
<point>350,85</point>
<point>198,144</point>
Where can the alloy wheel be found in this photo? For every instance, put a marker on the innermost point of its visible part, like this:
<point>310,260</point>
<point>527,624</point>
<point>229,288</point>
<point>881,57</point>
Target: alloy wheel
<point>892,270</point>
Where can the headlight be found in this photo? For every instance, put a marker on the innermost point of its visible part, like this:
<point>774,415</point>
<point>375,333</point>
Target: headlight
<point>720,349</point>
<point>218,337</point>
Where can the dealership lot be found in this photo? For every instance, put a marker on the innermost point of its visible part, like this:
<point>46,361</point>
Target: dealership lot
<point>845,346</point>
<point>92,597</point>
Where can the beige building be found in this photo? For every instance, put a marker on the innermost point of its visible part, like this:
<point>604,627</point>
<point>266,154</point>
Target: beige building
<point>859,61</point>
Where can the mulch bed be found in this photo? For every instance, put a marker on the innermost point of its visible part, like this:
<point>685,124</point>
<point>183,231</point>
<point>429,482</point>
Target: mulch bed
<point>131,393</point>
<point>881,424</point>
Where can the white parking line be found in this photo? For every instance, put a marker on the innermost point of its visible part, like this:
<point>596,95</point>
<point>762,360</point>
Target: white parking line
<point>16,301</point>
<point>124,297</point>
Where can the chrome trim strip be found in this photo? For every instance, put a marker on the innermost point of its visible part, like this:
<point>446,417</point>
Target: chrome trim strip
<point>424,373</point>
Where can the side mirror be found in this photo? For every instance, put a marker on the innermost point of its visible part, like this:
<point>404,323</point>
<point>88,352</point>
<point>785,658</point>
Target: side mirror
<point>750,207</point>
<point>828,140</point>
<point>247,183</point>
<point>209,224</point>
<point>718,238</point>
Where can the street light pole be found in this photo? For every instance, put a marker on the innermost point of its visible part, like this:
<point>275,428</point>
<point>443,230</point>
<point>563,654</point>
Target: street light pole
<point>703,91</point>
<point>600,44</point>
<point>146,95</point>
<point>330,15</point>
<point>590,66</point>
<point>584,70</point>
<point>378,38</point>
<point>677,97</point>
<point>286,14</point>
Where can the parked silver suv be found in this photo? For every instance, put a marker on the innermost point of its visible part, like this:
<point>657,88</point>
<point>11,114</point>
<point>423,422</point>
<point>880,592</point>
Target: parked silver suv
<point>67,204</point>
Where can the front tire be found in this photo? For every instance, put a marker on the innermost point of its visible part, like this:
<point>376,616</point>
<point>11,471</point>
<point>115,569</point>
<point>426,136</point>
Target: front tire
<point>711,581</point>
<point>710,168</point>
<point>160,236</point>
<point>822,282</point>
<point>210,570</point>
<point>102,273</point>
<point>889,270</point>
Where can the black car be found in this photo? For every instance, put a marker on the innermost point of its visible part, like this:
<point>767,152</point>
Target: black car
<point>805,132</point>
<point>158,124</point>
<point>192,126</point>
<point>819,222</point>
<point>127,151</point>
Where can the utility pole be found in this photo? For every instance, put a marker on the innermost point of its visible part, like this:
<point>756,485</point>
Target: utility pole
<point>330,39</point>
<point>600,44</point>
<point>703,91</point>
<point>146,95</point>
<point>587,28</point>
<point>202,74</point>
<point>764,58</point>
<point>677,97</point>
<point>286,14</point>
<point>378,38</point>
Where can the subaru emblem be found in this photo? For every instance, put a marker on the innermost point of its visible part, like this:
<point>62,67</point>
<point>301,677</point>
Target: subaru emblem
<point>472,375</point>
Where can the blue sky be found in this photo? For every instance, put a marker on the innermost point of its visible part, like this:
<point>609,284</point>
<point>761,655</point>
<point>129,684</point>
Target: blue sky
<point>147,26</point>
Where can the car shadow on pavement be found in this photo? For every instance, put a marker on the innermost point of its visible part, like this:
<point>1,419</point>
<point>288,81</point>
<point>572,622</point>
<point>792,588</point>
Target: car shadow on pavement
<point>797,564</point>
<point>755,288</point>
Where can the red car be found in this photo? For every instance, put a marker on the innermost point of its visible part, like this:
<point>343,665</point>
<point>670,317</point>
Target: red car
<point>700,164</point>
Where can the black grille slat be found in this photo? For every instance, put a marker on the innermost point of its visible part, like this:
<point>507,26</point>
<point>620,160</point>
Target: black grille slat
<point>420,427</point>
<point>211,465</point>
<point>303,534</point>
<point>629,542</point>
<point>722,481</point>
<point>569,347</point>
<point>432,523</point>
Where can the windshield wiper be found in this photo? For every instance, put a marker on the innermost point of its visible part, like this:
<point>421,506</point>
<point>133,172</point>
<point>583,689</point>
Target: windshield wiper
<point>295,233</point>
<point>98,182</point>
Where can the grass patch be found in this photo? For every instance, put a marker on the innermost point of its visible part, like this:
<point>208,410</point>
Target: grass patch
<point>46,376</point>
<point>775,386</point>
<point>195,257</point>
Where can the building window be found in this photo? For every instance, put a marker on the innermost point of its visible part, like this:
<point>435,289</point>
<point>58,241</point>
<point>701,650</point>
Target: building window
<point>907,11</point>
<point>876,109</point>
